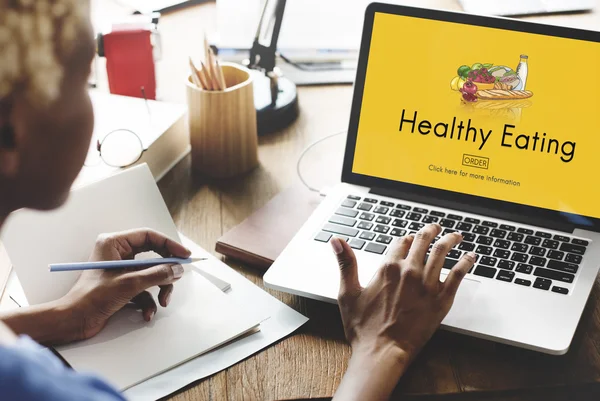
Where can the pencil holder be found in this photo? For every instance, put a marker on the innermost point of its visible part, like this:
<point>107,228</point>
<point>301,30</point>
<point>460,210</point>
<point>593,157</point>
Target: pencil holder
<point>223,130</point>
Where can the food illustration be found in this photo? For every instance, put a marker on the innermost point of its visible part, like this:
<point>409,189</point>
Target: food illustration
<point>492,82</point>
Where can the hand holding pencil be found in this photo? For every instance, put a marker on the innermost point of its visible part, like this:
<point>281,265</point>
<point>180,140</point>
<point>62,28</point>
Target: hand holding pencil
<point>209,76</point>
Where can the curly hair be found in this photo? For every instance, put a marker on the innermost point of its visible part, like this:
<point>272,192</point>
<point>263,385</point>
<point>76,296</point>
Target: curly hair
<point>36,38</point>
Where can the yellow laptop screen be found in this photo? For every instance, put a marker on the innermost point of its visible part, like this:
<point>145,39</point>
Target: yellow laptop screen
<point>505,115</point>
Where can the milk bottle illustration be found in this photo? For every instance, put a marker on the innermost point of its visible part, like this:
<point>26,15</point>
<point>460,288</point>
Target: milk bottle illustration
<point>522,72</point>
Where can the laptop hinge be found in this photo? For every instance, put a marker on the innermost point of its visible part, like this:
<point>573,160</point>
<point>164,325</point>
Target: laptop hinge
<point>469,208</point>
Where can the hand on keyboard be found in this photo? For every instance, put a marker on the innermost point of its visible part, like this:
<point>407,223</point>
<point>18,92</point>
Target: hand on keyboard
<point>388,322</point>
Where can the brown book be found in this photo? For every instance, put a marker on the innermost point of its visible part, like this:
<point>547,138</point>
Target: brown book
<point>260,238</point>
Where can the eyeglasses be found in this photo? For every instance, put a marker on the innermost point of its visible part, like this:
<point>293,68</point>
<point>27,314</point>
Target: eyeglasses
<point>120,148</point>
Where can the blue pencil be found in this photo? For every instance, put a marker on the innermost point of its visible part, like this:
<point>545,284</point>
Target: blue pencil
<point>120,264</point>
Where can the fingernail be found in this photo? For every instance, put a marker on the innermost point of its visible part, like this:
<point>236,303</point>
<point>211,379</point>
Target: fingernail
<point>152,315</point>
<point>472,255</point>
<point>168,299</point>
<point>177,271</point>
<point>336,244</point>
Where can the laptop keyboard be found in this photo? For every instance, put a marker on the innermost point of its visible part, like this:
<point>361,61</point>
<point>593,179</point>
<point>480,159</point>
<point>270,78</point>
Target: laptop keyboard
<point>517,255</point>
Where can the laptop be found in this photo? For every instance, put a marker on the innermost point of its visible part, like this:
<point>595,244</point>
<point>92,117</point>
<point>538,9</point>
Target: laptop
<point>525,7</point>
<point>487,126</point>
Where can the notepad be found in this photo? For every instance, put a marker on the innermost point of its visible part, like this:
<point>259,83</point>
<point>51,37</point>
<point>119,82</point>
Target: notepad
<point>129,350</point>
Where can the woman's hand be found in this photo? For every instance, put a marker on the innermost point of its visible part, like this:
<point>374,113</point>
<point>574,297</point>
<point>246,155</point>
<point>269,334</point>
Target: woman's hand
<point>98,294</point>
<point>388,322</point>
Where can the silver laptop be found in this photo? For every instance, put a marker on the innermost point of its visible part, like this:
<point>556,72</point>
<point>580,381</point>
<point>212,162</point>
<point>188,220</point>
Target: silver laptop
<point>469,122</point>
<point>525,7</point>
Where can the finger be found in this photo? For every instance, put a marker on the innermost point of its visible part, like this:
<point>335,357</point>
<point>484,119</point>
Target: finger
<point>153,276</point>
<point>437,256</point>
<point>399,248</point>
<point>421,243</point>
<point>164,296</point>
<point>143,240</point>
<point>349,284</point>
<point>146,303</point>
<point>457,274</point>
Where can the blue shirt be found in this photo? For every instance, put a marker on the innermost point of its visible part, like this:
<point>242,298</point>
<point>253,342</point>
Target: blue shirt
<point>29,372</point>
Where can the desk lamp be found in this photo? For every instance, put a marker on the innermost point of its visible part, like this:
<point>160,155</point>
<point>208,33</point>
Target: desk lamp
<point>275,97</point>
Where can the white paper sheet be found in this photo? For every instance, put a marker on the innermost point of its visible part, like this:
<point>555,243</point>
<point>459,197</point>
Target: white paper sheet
<point>283,321</point>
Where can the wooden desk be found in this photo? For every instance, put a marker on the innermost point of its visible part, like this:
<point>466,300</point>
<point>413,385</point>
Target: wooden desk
<point>310,364</point>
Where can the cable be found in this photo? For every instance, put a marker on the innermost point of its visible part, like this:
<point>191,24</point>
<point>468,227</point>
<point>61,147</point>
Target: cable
<point>305,151</point>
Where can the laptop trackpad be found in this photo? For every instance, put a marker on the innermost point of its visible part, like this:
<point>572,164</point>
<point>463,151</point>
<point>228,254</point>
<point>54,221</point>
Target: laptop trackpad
<point>463,303</point>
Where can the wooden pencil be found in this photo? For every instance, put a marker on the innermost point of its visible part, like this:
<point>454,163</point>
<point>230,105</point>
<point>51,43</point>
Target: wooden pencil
<point>220,75</point>
<point>206,73</point>
<point>213,70</point>
<point>195,76</point>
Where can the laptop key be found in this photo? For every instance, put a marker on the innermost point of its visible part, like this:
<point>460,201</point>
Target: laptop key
<point>323,237</point>
<point>381,210</point>
<point>561,238</point>
<point>375,248</point>
<point>416,226</point>
<point>520,281</point>
<point>356,243</point>
<point>563,267</point>
<point>571,248</point>
<point>447,223</point>
<point>481,230</point>
<point>519,248</point>
<point>505,275</point>
<point>472,220</point>
<point>383,220</point>
<point>344,221</point>
<point>506,264</point>
<point>500,243</point>
<point>400,223</point>
<point>489,224</point>
<point>542,284</point>
<point>397,213</point>
<point>501,253</point>
<point>403,207</point>
<point>553,275</point>
<point>354,197</point>
<point>484,250</point>
<point>468,237</point>
<point>437,214</point>
<point>365,206</point>
<point>506,227</point>
<point>367,216</point>
<point>384,239</point>
<point>363,225</point>
<point>379,228</point>
<point>530,240</point>
<point>414,216</point>
<point>573,258</point>
<point>448,231</point>
<point>369,236</point>
<point>519,257</point>
<point>349,203</point>
<point>548,243</point>
<point>462,226</point>
<point>430,219</point>
<point>454,217</point>
<point>556,255</point>
<point>496,233</point>
<point>537,251</point>
<point>420,210</point>
<point>579,242</point>
<point>342,211</point>
<point>488,261</point>
<point>537,261</point>
<point>560,290</point>
<point>466,246</point>
<point>335,229</point>
<point>525,231</point>
<point>398,232</point>
<point>543,234</point>
<point>482,239</point>
<point>485,271</point>
<point>515,237</point>
<point>342,237</point>
<point>524,268</point>
<point>454,254</point>
<point>371,200</point>
<point>385,203</point>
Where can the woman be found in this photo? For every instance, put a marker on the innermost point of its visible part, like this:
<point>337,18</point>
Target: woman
<point>46,120</point>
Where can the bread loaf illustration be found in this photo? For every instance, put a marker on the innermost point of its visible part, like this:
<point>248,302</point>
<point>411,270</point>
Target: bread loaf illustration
<point>502,94</point>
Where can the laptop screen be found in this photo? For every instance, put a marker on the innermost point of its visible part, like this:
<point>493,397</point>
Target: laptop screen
<point>499,114</point>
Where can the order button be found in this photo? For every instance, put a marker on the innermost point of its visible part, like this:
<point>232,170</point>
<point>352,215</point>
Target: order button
<point>476,161</point>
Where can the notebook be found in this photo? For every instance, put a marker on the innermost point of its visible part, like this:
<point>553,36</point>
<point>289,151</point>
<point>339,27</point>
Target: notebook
<point>129,350</point>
